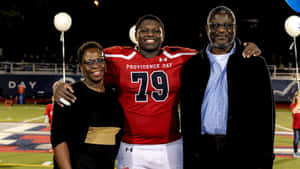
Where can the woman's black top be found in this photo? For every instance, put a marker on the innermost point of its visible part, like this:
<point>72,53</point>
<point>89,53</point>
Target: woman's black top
<point>71,124</point>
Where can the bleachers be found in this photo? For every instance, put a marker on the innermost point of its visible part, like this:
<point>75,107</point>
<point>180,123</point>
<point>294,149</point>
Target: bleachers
<point>282,73</point>
<point>37,68</point>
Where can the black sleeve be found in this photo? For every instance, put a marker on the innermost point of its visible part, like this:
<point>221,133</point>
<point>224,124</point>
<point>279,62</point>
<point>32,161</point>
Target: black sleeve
<point>60,125</point>
<point>265,104</point>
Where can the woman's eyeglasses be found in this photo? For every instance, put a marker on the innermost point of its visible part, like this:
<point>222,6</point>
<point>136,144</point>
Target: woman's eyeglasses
<point>99,62</point>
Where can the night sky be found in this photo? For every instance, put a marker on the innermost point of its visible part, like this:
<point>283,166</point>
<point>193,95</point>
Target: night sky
<point>27,25</point>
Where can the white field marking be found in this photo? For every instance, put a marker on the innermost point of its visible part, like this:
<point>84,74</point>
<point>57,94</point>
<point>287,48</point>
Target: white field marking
<point>29,107</point>
<point>33,119</point>
<point>43,147</point>
<point>21,127</point>
<point>27,132</point>
<point>283,150</point>
<point>4,135</point>
<point>47,163</point>
<point>287,133</point>
<point>284,128</point>
<point>7,142</point>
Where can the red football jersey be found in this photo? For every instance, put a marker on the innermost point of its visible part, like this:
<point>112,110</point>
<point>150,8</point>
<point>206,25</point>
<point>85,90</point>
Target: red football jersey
<point>49,112</point>
<point>148,91</point>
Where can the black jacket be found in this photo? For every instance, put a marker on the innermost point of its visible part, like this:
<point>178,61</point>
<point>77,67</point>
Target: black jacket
<point>251,114</point>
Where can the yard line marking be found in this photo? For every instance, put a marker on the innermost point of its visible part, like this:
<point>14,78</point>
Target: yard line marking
<point>287,129</point>
<point>21,127</point>
<point>286,133</point>
<point>47,163</point>
<point>30,107</point>
<point>24,165</point>
<point>43,147</point>
<point>4,135</point>
<point>33,119</point>
<point>7,142</point>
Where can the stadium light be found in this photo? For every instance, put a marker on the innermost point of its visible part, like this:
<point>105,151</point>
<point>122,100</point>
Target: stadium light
<point>96,2</point>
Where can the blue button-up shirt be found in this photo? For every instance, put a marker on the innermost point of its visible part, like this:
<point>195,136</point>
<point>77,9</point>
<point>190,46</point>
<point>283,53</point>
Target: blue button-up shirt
<point>214,111</point>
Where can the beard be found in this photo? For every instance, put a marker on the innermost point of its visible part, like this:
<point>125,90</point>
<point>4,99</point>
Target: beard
<point>213,43</point>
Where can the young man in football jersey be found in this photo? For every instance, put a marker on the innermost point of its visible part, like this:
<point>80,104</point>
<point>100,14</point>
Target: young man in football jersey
<point>227,108</point>
<point>148,82</point>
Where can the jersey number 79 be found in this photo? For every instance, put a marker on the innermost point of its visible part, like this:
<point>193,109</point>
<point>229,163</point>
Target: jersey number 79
<point>159,81</point>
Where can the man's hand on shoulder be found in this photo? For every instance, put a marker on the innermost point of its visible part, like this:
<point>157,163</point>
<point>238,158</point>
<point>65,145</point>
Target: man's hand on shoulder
<point>63,94</point>
<point>251,49</point>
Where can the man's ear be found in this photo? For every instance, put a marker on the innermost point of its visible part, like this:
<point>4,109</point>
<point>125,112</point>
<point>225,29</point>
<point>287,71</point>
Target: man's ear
<point>206,29</point>
<point>234,27</point>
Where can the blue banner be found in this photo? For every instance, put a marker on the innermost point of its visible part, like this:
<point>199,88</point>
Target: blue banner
<point>35,85</point>
<point>284,90</point>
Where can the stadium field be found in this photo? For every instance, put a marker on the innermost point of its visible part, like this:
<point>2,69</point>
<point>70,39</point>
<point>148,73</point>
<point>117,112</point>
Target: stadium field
<point>25,142</point>
<point>21,113</point>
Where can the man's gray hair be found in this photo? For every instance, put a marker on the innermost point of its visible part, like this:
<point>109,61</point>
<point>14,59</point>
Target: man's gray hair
<point>221,10</point>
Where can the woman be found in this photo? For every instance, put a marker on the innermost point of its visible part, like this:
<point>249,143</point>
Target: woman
<point>86,134</point>
<point>295,109</point>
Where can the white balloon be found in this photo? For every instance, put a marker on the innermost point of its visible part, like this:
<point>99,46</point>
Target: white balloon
<point>292,26</point>
<point>62,21</point>
<point>132,35</point>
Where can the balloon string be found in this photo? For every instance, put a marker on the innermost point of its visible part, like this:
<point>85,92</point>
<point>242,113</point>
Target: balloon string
<point>62,39</point>
<point>296,56</point>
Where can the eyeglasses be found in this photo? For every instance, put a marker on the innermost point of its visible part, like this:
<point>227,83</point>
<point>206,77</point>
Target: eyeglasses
<point>99,62</point>
<point>216,26</point>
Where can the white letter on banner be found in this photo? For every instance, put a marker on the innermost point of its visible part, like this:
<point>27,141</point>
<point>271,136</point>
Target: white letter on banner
<point>12,84</point>
<point>32,84</point>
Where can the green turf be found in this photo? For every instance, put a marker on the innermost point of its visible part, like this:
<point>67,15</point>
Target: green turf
<point>21,112</point>
<point>286,163</point>
<point>15,160</point>
<point>283,141</point>
<point>284,118</point>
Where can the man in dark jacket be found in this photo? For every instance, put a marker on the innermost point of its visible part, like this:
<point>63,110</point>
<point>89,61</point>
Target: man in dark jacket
<point>226,103</point>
